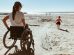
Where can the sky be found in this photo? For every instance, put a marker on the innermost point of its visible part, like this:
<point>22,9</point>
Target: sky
<point>35,6</point>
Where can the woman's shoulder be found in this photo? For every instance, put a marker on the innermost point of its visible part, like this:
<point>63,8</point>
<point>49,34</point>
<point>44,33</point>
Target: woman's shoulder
<point>20,12</point>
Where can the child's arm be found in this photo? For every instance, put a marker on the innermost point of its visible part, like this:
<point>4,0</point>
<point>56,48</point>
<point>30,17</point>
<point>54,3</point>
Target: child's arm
<point>60,20</point>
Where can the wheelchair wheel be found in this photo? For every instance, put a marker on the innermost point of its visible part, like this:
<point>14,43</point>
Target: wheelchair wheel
<point>30,51</point>
<point>8,43</point>
<point>25,41</point>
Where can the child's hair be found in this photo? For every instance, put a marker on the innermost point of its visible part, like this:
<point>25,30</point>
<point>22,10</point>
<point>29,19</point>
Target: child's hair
<point>59,16</point>
<point>15,7</point>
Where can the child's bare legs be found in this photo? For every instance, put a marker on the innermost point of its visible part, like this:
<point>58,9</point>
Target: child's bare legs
<point>58,26</point>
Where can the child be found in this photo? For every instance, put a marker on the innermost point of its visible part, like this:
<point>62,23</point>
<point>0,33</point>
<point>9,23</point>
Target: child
<point>58,22</point>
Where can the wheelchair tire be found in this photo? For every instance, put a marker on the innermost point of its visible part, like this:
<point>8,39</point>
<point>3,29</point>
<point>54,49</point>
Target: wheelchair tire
<point>30,51</point>
<point>25,42</point>
<point>4,41</point>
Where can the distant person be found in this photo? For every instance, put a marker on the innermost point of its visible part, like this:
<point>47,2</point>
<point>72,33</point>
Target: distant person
<point>16,17</point>
<point>58,22</point>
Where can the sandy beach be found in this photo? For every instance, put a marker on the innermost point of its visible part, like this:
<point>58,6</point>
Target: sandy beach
<point>48,39</point>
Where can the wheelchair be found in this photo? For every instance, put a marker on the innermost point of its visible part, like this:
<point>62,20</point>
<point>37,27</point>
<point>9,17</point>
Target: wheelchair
<point>19,33</point>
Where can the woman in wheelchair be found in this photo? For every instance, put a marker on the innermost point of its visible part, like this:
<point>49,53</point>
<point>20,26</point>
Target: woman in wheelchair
<point>18,26</point>
<point>19,30</point>
<point>17,19</point>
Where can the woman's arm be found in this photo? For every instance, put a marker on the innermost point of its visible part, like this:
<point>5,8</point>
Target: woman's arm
<point>4,21</point>
<point>23,21</point>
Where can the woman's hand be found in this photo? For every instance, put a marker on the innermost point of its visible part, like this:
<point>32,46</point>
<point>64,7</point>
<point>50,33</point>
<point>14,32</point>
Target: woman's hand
<point>8,28</point>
